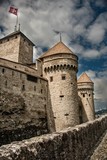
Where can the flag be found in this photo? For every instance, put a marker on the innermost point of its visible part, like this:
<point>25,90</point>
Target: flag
<point>13,10</point>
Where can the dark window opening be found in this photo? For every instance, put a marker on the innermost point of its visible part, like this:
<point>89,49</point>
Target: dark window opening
<point>3,70</point>
<point>83,95</point>
<point>63,77</point>
<point>7,39</point>
<point>32,78</point>
<point>34,88</point>
<point>89,95</point>
<point>16,37</point>
<point>54,117</point>
<point>23,88</point>
<point>41,90</point>
<point>66,114</point>
<point>12,73</point>
<point>20,75</point>
<point>51,79</point>
<point>6,83</point>
<point>61,96</point>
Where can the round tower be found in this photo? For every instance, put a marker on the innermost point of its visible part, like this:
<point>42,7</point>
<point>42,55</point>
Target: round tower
<point>60,66</point>
<point>85,92</point>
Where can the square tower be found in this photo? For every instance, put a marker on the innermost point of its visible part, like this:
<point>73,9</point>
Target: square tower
<point>17,47</point>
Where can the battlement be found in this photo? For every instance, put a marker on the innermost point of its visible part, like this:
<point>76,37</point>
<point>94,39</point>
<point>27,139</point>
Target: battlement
<point>60,67</point>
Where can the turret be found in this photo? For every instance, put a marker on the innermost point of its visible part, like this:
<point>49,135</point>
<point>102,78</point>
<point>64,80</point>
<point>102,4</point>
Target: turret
<point>85,92</point>
<point>60,66</point>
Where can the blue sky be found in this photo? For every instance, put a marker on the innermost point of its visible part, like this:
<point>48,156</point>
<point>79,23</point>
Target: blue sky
<point>83,24</point>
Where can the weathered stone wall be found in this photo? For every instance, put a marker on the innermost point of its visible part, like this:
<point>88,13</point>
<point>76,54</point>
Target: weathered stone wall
<point>25,51</point>
<point>61,75</point>
<point>21,92</point>
<point>17,48</point>
<point>19,67</point>
<point>70,144</point>
<point>9,48</point>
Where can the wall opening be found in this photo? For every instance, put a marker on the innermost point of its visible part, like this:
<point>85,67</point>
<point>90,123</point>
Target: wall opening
<point>3,70</point>
<point>32,78</point>
<point>51,79</point>
<point>23,87</point>
<point>63,77</point>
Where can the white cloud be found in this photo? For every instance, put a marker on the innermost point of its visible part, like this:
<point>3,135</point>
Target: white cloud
<point>96,33</point>
<point>91,53</point>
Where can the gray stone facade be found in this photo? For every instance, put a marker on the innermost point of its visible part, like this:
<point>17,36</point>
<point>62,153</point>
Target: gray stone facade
<point>49,87</point>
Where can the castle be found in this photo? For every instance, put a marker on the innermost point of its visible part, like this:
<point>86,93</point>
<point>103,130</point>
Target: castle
<point>49,87</point>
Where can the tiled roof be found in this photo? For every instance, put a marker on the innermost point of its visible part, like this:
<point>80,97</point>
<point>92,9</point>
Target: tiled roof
<point>58,48</point>
<point>84,78</point>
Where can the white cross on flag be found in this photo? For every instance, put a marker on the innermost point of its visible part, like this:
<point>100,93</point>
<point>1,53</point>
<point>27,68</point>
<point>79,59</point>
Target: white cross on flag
<point>13,10</point>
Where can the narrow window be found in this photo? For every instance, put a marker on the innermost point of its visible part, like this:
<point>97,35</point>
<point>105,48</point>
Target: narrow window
<point>12,73</point>
<point>34,88</point>
<point>83,95</point>
<point>51,79</point>
<point>23,88</point>
<point>41,90</point>
<point>20,75</point>
<point>63,77</point>
<point>3,70</point>
<point>5,83</point>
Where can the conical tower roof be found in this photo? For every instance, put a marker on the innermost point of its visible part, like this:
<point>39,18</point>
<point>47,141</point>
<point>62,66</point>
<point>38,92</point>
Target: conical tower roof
<point>58,48</point>
<point>84,78</point>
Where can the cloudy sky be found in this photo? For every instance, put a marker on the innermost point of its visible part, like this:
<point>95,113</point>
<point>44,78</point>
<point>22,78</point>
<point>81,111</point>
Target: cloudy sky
<point>83,24</point>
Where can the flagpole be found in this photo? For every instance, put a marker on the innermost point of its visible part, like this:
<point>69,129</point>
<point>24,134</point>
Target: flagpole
<point>17,21</point>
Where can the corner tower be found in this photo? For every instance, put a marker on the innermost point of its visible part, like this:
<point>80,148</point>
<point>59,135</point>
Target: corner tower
<point>85,92</point>
<point>60,66</point>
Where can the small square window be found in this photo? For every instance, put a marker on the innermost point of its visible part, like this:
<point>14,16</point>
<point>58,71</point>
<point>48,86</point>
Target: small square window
<point>63,77</point>
<point>51,79</point>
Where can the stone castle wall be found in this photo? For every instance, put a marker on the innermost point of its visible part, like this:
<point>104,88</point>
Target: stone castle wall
<point>73,143</point>
<point>9,48</point>
<point>25,51</point>
<point>32,90</point>
<point>61,75</point>
<point>16,48</point>
<point>19,67</point>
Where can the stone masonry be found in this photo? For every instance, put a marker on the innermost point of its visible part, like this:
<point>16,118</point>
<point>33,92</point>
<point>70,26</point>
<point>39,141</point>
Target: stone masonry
<point>48,88</point>
<point>70,144</point>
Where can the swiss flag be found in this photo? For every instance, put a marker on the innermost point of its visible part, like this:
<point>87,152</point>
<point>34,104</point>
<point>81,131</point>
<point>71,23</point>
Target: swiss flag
<point>13,10</point>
